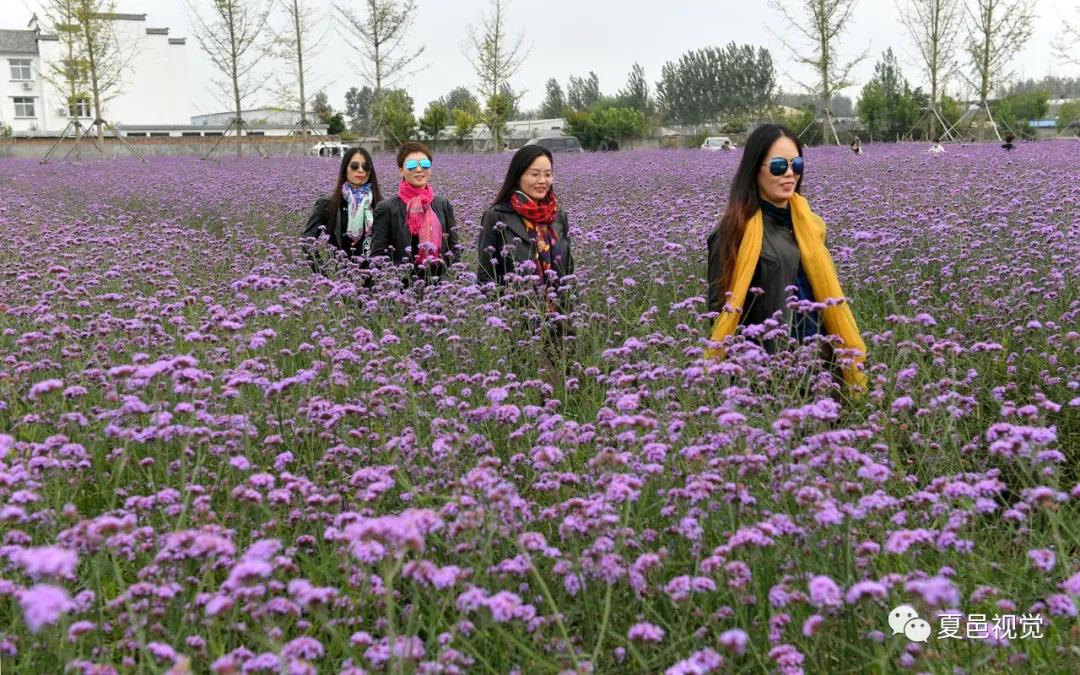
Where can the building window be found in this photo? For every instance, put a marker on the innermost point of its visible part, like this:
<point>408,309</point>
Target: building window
<point>24,106</point>
<point>80,107</point>
<point>20,69</point>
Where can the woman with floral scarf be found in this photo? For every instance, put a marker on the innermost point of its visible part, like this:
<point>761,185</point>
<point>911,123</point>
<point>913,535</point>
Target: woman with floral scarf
<point>347,214</point>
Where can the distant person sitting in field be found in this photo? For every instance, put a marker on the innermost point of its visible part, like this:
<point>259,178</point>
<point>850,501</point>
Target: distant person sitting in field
<point>346,214</point>
<point>936,148</point>
<point>417,226</point>
<point>856,146</point>
<point>1008,144</point>
<point>770,240</point>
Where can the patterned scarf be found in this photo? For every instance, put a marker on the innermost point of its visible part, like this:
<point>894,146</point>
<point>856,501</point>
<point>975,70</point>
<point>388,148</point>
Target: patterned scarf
<point>360,217</point>
<point>421,220</point>
<point>538,217</point>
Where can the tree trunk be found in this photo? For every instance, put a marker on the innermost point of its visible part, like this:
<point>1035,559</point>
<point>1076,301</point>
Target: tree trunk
<point>300,65</point>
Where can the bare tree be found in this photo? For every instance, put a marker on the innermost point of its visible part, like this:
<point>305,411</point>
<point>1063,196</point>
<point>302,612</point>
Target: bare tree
<point>822,22</point>
<point>229,35</point>
<point>385,58</point>
<point>1067,39</point>
<point>997,30</point>
<point>69,73</point>
<point>496,56</point>
<point>934,26</point>
<point>98,59</point>
<point>297,43</point>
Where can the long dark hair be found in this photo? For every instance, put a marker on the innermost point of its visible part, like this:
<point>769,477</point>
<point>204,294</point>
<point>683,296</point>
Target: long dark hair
<point>744,200</point>
<point>342,176</point>
<point>521,161</point>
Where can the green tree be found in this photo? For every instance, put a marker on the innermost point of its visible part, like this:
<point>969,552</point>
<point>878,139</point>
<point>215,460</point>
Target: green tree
<point>707,83</point>
<point>874,109</point>
<point>888,107</point>
<point>1067,113</point>
<point>460,98</point>
<point>435,120</point>
<point>951,110</point>
<point>398,119</point>
<point>606,127</point>
<point>465,122</point>
<point>583,92</point>
<point>554,100</point>
<point>336,125</point>
<point>358,108</point>
<point>636,93</point>
<point>496,114</point>
<point>1015,111</point>
<point>321,108</point>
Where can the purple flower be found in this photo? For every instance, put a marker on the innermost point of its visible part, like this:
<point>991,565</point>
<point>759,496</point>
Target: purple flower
<point>645,632</point>
<point>47,561</point>
<point>43,605</point>
<point>824,592</point>
<point>1043,559</point>
<point>734,640</point>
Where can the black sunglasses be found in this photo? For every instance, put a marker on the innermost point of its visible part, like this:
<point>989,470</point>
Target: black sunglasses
<point>778,166</point>
<point>362,166</point>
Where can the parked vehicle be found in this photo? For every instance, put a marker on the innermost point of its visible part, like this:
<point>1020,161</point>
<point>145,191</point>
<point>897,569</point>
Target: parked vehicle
<point>717,143</point>
<point>558,143</point>
<point>328,149</point>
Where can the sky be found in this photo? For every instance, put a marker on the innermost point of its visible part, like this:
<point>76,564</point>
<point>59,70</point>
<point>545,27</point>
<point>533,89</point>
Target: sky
<point>572,37</point>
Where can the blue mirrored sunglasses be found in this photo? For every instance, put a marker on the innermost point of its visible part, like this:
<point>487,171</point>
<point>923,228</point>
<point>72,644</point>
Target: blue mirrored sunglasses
<point>411,164</point>
<point>778,166</point>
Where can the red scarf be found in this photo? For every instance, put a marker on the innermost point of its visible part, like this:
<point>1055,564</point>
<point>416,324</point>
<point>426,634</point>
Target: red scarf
<point>421,220</point>
<point>538,217</point>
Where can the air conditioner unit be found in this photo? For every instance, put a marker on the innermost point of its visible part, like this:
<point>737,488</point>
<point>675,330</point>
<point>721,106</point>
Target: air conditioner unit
<point>27,86</point>
<point>61,110</point>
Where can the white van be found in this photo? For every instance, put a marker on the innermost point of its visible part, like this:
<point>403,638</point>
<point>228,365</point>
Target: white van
<point>328,149</point>
<point>717,143</point>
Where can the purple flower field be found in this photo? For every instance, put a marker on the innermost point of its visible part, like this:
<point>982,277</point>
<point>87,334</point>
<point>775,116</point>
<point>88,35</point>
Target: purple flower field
<point>213,460</point>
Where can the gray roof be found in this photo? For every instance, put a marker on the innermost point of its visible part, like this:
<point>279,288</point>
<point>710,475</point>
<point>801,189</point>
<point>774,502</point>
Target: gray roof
<point>18,42</point>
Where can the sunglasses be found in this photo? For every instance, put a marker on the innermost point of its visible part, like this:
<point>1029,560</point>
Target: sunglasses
<point>778,166</point>
<point>412,164</point>
<point>358,166</point>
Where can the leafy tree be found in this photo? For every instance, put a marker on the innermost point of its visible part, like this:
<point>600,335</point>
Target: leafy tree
<point>436,118</point>
<point>554,100</point>
<point>358,108</point>
<point>583,92</point>
<point>460,98</point>
<point>496,115</point>
<point>636,93</point>
<point>336,126</point>
<point>496,56</point>
<point>321,108</point>
<point>707,83</point>
<point>889,108</point>
<point>1017,110</point>
<point>507,92</point>
<point>951,110</point>
<point>465,122</point>
<point>1067,113</point>
<point>606,127</point>
<point>398,119</point>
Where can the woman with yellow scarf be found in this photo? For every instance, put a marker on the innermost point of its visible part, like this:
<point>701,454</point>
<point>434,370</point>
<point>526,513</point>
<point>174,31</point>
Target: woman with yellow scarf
<point>768,240</point>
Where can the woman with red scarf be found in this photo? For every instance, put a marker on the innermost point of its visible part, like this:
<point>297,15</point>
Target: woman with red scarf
<point>525,232</point>
<point>418,226</point>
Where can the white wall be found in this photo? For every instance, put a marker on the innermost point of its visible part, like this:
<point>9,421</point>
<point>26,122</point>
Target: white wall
<point>154,88</point>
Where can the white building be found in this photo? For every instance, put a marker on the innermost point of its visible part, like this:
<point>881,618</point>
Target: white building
<point>153,90</point>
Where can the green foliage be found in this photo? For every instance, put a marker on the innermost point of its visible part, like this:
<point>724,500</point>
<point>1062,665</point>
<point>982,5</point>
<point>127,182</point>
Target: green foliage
<point>888,107</point>
<point>583,92</point>
<point>1068,113</point>
<point>465,122</point>
<point>336,125</point>
<point>436,118</point>
<point>951,110</point>
<point>321,108</point>
<point>399,124</point>
<point>554,100</point>
<point>602,128</point>
<point>707,83</point>
<point>460,98</point>
<point>636,93</point>
<point>498,111</point>
<point>1015,111</point>
<point>799,120</point>
<point>358,109</point>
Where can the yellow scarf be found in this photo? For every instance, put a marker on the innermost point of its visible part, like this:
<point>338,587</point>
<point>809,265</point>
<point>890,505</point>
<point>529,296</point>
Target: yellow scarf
<point>820,271</point>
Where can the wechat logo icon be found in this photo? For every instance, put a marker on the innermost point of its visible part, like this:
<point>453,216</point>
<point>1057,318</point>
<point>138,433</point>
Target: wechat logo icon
<point>905,620</point>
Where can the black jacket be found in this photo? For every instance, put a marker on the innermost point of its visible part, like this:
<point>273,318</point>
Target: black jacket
<point>501,225</point>
<point>777,268</point>
<point>319,220</point>
<point>391,235</point>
